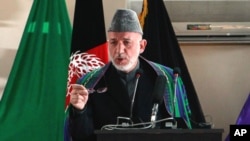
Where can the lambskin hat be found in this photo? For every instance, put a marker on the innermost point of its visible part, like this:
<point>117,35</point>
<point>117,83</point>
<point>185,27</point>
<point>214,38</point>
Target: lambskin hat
<point>125,20</point>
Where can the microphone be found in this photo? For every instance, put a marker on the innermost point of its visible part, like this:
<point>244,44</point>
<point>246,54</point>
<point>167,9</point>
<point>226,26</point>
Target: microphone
<point>137,76</point>
<point>158,93</point>
<point>176,74</point>
<point>177,71</point>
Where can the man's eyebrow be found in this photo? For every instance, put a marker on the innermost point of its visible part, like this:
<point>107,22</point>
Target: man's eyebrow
<point>126,39</point>
<point>113,39</point>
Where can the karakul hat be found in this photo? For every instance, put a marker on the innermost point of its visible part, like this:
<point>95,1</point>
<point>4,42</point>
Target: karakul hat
<point>125,20</point>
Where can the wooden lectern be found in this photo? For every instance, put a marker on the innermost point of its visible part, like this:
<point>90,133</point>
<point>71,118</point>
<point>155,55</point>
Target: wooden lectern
<point>160,135</point>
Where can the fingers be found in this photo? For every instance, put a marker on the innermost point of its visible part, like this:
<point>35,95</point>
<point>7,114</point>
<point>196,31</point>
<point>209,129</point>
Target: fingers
<point>78,99</point>
<point>79,96</point>
<point>77,86</point>
<point>78,89</point>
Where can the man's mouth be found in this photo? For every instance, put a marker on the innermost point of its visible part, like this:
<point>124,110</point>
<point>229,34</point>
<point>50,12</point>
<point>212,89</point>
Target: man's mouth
<point>120,61</point>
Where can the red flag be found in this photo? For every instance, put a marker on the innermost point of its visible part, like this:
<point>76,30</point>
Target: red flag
<point>89,44</point>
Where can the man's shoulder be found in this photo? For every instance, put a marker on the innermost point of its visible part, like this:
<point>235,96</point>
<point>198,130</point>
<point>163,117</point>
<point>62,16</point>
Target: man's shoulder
<point>157,66</point>
<point>161,68</point>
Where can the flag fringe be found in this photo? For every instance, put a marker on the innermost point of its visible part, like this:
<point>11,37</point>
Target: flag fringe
<point>143,13</point>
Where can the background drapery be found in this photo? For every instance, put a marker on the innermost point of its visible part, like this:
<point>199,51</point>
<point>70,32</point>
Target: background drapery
<point>164,48</point>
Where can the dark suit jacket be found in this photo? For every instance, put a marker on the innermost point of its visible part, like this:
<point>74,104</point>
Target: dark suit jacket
<point>104,108</point>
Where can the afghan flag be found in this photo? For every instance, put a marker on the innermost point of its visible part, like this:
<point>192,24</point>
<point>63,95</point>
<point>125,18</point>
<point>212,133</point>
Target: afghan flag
<point>163,48</point>
<point>89,44</point>
<point>89,48</point>
<point>32,106</point>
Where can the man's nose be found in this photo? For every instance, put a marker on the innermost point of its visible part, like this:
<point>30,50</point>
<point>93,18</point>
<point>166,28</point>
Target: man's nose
<point>120,48</point>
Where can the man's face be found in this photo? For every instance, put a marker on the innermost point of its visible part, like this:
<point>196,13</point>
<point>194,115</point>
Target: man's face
<point>124,49</point>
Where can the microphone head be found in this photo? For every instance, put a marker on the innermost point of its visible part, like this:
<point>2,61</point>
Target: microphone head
<point>176,71</point>
<point>139,72</point>
<point>159,89</point>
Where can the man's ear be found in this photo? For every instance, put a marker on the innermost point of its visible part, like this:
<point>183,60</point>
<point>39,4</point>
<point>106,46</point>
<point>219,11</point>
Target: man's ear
<point>143,44</point>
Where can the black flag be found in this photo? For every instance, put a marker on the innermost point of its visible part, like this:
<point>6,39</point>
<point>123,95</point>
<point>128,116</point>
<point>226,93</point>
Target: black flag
<point>163,47</point>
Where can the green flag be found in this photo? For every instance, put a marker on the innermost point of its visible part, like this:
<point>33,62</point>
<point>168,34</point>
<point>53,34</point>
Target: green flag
<point>32,106</point>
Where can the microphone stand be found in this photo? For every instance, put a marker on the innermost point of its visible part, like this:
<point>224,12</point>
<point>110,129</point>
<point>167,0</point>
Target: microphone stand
<point>176,75</point>
<point>127,121</point>
<point>133,98</point>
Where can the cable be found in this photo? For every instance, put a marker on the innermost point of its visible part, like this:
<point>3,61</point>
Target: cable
<point>206,125</point>
<point>133,126</point>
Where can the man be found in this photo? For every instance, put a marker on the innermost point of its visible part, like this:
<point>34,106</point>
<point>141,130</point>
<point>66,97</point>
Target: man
<point>127,91</point>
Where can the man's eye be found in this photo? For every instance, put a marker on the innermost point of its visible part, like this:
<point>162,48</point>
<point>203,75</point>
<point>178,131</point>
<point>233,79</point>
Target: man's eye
<point>112,43</point>
<point>126,43</point>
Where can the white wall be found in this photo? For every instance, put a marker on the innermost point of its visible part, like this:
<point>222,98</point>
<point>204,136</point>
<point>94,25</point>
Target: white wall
<point>219,72</point>
<point>221,77</point>
<point>13,15</point>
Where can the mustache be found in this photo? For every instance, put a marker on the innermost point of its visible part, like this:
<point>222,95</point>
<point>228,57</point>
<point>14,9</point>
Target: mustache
<point>121,56</point>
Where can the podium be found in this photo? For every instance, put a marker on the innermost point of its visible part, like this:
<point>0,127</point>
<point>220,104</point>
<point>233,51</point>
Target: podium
<point>160,135</point>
